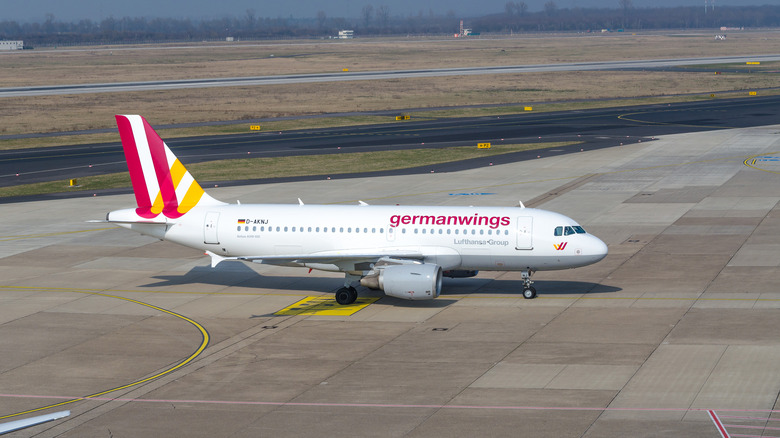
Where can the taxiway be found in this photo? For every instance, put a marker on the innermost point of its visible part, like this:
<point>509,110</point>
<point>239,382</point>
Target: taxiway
<point>675,332</point>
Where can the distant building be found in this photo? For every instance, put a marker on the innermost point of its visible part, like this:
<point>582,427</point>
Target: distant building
<point>346,34</point>
<point>11,45</point>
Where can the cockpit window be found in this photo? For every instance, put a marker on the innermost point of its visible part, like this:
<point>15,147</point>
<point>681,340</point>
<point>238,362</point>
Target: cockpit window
<point>569,230</point>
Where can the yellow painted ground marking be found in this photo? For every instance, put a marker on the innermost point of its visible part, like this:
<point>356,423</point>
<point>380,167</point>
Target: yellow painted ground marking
<point>751,162</point>
<point>325,306</point>
<point>203,344</point>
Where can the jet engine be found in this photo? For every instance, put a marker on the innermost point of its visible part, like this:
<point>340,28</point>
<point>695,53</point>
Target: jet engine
<point>408,281</point>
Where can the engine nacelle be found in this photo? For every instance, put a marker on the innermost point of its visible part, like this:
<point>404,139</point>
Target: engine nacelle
<point>411,282</point>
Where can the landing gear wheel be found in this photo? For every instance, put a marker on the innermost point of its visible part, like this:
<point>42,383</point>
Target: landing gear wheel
<point>346,295</point>
<point>529,293</point>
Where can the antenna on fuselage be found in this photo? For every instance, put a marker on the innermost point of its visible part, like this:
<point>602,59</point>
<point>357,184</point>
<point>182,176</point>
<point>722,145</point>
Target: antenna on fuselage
<point>521,204</point>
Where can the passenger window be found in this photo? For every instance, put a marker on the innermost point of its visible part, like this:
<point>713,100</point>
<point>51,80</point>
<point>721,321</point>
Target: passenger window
<point>382,230</point>
<point>373,230</point>
<point>277,229</point>
<point>246,228</point>
<point>324,229</point>
<point>456,231</point>
<point>310,229</point>
<point>239,228</point>
<point>349,230</point>
<point>559,231</point>
<point>254,228</point>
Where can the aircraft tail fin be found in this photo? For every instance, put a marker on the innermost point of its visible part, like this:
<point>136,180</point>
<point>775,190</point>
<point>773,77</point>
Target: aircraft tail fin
<point>160,181</point>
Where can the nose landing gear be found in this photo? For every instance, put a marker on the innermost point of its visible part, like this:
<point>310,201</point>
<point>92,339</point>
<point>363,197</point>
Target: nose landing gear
<point>529,292</point>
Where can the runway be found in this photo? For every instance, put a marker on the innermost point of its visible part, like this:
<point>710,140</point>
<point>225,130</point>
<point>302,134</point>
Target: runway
<point>674,333</point>
<point>50,90</point>
<point>596,128</point>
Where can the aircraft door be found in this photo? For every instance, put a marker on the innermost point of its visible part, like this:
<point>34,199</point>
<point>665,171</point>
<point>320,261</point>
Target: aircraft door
<point>210,227</point>
<point>524,233</point>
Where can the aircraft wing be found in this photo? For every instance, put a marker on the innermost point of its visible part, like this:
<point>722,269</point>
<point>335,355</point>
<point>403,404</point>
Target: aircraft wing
<point>12,426</point>
<point>334,258</point>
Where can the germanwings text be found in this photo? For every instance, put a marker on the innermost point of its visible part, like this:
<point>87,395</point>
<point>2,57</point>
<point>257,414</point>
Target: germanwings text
<point>491,221</point>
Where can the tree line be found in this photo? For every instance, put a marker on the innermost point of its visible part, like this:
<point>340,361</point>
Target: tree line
<point>379,20</point>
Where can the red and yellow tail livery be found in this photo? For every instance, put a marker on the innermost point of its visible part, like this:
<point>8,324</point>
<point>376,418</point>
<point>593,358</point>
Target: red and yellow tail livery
<point>162,185</point>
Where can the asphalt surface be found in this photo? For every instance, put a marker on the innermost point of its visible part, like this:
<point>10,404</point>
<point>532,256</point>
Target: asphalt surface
<point>597,129</point>
<point>674,333</point>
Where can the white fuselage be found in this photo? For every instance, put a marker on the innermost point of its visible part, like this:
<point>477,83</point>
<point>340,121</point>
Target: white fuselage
<point>470,238</point>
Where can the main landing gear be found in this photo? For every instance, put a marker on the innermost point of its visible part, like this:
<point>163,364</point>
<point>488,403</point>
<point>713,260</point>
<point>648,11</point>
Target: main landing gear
<point>529,292</point>
<point>346,295</point>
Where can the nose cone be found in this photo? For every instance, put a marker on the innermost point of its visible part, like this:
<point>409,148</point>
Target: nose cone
<point>597,249</point>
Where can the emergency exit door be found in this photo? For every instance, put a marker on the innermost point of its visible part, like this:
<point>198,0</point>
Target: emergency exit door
<point>210,227</point>
<point>524,233</point>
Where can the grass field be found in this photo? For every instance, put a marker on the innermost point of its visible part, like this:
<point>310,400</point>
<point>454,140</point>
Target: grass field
<point>547,91</point>
<point>274,167</point>
<point>118,64</point>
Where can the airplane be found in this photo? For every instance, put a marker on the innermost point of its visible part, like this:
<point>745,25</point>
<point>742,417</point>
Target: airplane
<point>402,250</point>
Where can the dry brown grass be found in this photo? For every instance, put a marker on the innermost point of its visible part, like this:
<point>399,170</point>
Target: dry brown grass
<point>275,167</point>
<point>117,64</point>
<point>91,111</point>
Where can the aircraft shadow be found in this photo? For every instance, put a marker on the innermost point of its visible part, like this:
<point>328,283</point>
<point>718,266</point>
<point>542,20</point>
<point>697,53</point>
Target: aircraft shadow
<point>239,274</point>
<point>515,287</point>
